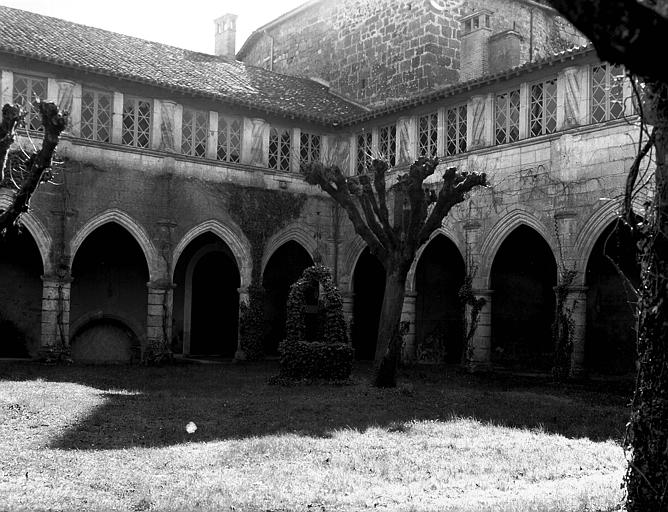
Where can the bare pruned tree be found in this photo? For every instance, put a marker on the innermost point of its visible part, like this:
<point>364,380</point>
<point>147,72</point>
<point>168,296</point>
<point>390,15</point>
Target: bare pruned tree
<point>35,168</point>
<point>365,198</point>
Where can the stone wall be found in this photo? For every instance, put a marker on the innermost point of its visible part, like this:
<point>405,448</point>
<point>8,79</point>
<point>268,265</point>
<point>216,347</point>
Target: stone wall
<point>381,51</point>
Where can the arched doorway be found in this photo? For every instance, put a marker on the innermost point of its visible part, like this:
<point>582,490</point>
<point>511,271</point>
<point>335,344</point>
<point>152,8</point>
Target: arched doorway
<point>108,295</point>
<point>439,276</point>
<point>524,274</point>
<point>284,267</point>
<point>206,299</point>
<point>610,344</point>
<point>369,288</point>
<point>20,294</point>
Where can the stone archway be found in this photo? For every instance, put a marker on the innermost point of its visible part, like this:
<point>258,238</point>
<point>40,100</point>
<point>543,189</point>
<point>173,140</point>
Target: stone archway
<point>439,275</point>
<point>610,339</point>
<point>20,294</point>
<point>523,275</point>
<point>206,298</point>
<point>368,289</point>
<point>283,268</point>
<point>108,294</point>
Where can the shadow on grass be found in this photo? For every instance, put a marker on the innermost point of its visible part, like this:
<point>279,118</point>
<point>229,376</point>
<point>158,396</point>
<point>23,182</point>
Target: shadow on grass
<point>231,401</point>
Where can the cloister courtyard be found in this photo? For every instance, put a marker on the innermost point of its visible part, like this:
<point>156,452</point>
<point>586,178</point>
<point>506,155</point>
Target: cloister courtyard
<point>228,436</point>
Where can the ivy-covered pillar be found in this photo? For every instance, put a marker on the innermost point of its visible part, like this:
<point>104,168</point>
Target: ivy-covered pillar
<point>481,343</point>
<point>408,315</point>
<point>244,304</point>
<point>348,299</point>
<point>576,302</point>
<point>159,316</point>
<point>55,329</point>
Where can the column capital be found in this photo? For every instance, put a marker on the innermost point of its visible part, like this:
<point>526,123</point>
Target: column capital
<point>482,292</point>
<point>65,278</point>
<point>161,284</point>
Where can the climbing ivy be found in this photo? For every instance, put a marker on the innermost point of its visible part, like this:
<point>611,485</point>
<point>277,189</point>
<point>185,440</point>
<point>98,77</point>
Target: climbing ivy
<point>260,213</point>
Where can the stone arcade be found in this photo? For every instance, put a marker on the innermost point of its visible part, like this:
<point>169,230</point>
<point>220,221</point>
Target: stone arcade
<point>142,239</point>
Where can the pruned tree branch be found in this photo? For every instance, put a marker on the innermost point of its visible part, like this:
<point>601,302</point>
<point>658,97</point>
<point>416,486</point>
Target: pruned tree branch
<point>54,122</point>
<point>627,211</point>
<point>455,187</point>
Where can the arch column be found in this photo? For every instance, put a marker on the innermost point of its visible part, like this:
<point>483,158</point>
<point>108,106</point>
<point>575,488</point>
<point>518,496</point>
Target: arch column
<point>244,301</point>
<point>481,343</point>
<point>408,315</point>
<point>159,313</point>
<point>348,299</point>
<point>576,303</point>
<point>55,328</point>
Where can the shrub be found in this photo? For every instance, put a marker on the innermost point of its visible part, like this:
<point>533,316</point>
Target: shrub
<point>331,356</point>
<point>316,360</point>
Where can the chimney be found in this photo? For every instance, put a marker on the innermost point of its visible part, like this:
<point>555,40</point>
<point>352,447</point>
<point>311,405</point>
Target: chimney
<point>504,51</point>
<point>226,34</point>
<point>476,29</point>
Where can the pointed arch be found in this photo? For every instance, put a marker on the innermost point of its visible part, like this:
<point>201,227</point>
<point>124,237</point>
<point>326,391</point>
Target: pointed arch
<point>232,236</point>
<point>500,232</point>
<point>351,255</point>
<point>293,233</point>
<point>153,260</point>
<point>38,232</point>
<point>448,233</point>
<point>592,229</point>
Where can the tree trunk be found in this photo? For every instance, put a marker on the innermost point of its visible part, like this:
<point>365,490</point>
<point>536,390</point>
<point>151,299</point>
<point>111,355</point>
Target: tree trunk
<point>388,344</point>
<point>647,434</point>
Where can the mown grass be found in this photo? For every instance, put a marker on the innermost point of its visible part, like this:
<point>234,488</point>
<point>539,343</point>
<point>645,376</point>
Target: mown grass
<point>114,438</point>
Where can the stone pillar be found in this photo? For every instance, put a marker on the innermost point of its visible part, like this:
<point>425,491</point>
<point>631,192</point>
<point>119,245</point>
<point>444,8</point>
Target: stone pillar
<point>255,141</point>
<point>7,87</point>
<point>212,137</point>
<point>117,119</point>
<point>295,149</point>
<point>348,311</point>
<point>167,119</point>
<point>408,315</point>
<point>576,303</point>
<point>55,334</point>
<point>482,338</point>
<point>336,151</point>
<point>159,316</point>
<point>244,300</point>
<point>476,133</point>
<point>69,100</point>
<point>571,109</point>
<point>406,140</point>
<point>525,105</point>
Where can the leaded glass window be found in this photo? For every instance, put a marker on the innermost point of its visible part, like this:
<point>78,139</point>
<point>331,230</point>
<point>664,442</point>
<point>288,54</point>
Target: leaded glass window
<point>229,139</point>
<point>96,109</point>
<point>364,155</point>
<point>136,129</point>
<point>387,143</point>
<point>607,92</point>
<point>28,89</point>
<point>309,149</point>
<point>455,130</point>
<point>507,117</point>
<point>195,128</point>
<point>428,135</point>
<point>279,149</point>
<point>543,108</point>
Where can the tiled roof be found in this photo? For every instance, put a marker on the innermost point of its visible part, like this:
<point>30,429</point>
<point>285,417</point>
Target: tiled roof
<point>109,53</point>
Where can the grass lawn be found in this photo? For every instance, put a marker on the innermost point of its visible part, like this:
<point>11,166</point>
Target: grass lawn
<point>114,438</point>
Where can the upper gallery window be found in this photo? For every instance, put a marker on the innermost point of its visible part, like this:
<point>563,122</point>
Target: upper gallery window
<point>229,139</point>
<point>27,89</point>
<point>507,117</point>
<point>309,148</point>
<point>607,92</point>
<point>136,122</point>
<point>543,108</point>
<point>364,155</point>
<point>428,135</point>
<point>279,149</point>
<point>387,143</point>
<point>195,128</point>
<point>455,130</point>
<point>96,109</point>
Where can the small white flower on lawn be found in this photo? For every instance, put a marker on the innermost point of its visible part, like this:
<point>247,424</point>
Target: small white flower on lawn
<point>191,427</point>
